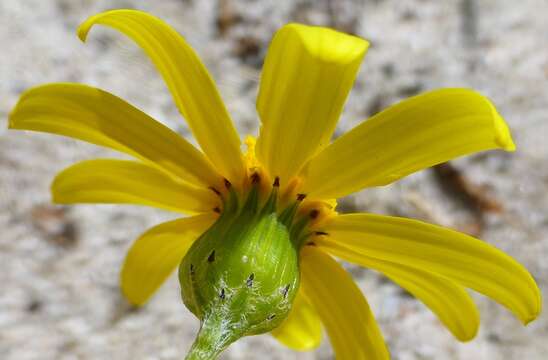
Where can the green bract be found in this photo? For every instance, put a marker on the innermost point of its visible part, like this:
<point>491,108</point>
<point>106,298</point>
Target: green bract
<point>241,276</point>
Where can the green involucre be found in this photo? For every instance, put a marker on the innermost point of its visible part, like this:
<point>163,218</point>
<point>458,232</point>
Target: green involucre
<point>241,276</point>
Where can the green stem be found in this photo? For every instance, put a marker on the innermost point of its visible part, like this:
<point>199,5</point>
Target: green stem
<point>211,340</point>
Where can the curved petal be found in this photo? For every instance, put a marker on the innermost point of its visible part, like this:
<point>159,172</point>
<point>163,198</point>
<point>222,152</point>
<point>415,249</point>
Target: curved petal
<point>156,253</point>
<point>307,75</point>
<point>351,326</point>
<point>95,116</point>
<point>128,182</point>
<point>414,134</point>
<point>449,301</point>
<point>189,82</point>
<point>302,329</point>
<point>459,257</point>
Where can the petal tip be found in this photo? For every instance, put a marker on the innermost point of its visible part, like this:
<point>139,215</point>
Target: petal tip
<point>134,298</point>
<point>503,137</point>
<point>54,192</point>
<point>132,301</point>
<point>527,321</point>
<point>87,24</point>
<point>15,116</point>
<point>12,116</point>
<point>467,336</point>
<point>349,48</point>
<point>56,184</point>
<point>528,318</point>
<point>83,29</point>
<point>11,120</point>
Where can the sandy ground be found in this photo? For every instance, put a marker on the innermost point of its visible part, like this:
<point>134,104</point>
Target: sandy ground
<point>59,297</point>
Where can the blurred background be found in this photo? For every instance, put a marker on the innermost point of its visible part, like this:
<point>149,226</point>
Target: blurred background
<point>59,296</point>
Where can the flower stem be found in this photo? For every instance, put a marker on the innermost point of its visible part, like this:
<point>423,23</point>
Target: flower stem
<point>211,340</point>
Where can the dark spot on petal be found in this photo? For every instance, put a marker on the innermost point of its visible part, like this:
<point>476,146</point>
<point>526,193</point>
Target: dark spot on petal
<point>214,190</point>
<point>301,197</point>
<point>222,294</point>
<point>211,257</point>
<point>228,185</point>
<point>276,181</point>
<point>217,210</point>
<point>320,233</point>
<point>255,178</point>
<point>249,281</point>
<point>285,290</point>
<point>314,214</point>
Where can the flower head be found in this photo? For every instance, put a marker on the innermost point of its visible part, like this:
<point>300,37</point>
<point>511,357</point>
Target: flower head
<point>255,253</point>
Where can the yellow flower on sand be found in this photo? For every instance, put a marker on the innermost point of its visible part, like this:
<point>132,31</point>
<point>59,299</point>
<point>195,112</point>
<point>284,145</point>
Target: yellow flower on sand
<point>307,75</point>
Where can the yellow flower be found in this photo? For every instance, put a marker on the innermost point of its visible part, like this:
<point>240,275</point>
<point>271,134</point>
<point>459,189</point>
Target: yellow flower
<point>307,75</point>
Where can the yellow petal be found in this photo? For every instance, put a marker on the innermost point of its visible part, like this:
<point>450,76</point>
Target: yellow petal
<point>156,253</point>
<point>459,257</point>
<point>128,182</point>
<point>189,82</point>
<point>350,324</point>
<point>449,301</point>
<point>302,329</point>
<point>94,115</point>
<point>414,134</point>
<point>306,78</point>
